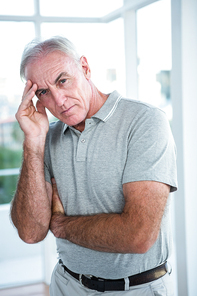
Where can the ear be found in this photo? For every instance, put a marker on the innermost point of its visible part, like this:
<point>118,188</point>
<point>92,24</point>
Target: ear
<point>85,67</point>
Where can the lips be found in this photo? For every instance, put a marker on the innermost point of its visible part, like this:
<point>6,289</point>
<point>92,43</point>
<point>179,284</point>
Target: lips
<point>68,110</point>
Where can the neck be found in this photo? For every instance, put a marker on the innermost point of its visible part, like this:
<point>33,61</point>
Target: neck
<point>97,101</point>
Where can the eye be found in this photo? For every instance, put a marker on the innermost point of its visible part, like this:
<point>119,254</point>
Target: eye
<point>42,92</point>
<point>62,81</point>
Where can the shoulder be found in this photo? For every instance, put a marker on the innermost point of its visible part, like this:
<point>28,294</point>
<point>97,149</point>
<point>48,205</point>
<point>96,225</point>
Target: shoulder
<point>56,129</point>
<point>139,106</point>
<point>142,115</point>
<point>56,126</point>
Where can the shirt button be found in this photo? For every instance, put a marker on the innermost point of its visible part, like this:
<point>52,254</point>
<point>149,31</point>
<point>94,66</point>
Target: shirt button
<point>83,141</point>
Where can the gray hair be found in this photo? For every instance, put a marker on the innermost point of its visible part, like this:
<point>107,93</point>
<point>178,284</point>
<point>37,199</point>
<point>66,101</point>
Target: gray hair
<point>36,49</point>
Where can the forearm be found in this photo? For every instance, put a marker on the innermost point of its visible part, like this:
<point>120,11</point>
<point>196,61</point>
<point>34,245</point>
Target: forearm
<point>134,230</point>
<point>102,232</point>
<point>31,207</point>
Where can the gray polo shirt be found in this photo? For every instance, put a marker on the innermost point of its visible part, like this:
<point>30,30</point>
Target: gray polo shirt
<point>124,141</point>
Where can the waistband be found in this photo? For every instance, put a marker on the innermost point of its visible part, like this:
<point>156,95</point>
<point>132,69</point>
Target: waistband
<point>102,285</point>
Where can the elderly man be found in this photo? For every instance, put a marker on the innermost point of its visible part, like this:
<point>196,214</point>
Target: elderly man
<point>99,178</point>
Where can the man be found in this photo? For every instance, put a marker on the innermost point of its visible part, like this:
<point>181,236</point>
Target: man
<point>99,178</point>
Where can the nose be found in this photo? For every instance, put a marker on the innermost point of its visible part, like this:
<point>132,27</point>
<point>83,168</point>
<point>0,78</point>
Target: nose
<point>58,96</point>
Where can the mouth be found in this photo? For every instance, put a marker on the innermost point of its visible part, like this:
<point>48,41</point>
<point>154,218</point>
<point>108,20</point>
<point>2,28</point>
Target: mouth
<point>67,111</point>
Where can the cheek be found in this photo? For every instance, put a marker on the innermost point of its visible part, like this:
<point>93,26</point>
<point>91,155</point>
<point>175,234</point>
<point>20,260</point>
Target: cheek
<point>47,101</point>
<point>49,106</point>
<point>85,101</point>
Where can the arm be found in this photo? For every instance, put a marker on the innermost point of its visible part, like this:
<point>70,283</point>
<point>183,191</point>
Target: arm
<point>31,206</point>
<point>133,231</point>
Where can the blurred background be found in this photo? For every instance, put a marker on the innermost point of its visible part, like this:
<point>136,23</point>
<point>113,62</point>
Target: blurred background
<point>146,50</point>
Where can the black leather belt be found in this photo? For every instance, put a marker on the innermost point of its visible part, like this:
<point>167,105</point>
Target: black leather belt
<point>102,285</point>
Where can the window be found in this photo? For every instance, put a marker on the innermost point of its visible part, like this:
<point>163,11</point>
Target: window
<point>78,8</point>
<point>19,7</point>
<point>154,54</point>
<point>103,45</point>
<point>14,36</point>
<point>14,254</point>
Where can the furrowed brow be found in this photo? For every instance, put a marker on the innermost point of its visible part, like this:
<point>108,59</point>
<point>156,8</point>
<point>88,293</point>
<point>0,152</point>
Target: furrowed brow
<point>56,80</point>
<point>60,75</point>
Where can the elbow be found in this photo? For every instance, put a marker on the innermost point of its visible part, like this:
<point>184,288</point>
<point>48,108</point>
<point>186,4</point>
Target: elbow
<point>28,236</point>
<point>33,235</point>
<point>143,247</point>
<point>31,239</point>
<point>27,240</point>
<point>142,244</point>
<point>30,233</point>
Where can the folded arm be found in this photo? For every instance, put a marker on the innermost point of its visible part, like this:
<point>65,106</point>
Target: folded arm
<point>135,230</point>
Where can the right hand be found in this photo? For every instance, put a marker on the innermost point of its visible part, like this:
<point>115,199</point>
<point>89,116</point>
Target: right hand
<point>34,123</point>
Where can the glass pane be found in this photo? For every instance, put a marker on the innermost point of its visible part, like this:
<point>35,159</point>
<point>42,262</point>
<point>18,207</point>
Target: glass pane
<point>19,7</point>
<point>15,255</point>
<point>102,44</point>
<point>20,263</point>
<point>78,8</point>
<point>11,89</point>
<point>7,187</point>
<point>11,86</point>
<point>154,54</point>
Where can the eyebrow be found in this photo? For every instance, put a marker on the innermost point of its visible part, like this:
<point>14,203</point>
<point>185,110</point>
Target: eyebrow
<point>56,80</point>
<point>60,75</point>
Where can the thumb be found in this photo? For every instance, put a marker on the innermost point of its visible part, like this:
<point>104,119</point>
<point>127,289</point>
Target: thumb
<point>53,180</point>
<point>56,202</point>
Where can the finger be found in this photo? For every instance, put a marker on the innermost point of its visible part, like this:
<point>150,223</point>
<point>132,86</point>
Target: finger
<point>53,181</point>
<point>57,205</point>
<point>56,202</point>
<point>27,107</point>
<point>28,85</point>
<point>54,187</point>
<point>29,91</point>
<point>27,99</point>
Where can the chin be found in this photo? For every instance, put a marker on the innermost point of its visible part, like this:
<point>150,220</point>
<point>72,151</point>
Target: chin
<point>74,122</point>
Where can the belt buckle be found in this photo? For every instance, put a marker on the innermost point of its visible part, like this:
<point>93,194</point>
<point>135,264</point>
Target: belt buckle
<point>89,276</point>
<point>98,286</point>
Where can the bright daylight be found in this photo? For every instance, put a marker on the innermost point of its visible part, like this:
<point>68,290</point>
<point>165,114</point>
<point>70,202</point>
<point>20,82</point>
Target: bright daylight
<point>97,147</point>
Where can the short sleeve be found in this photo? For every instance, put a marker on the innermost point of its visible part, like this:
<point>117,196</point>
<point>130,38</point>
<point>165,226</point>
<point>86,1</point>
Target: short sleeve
<point>47,161</point>
<point>151,150</point>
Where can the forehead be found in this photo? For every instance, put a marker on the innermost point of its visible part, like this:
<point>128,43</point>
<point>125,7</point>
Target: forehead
<point>50,65</point>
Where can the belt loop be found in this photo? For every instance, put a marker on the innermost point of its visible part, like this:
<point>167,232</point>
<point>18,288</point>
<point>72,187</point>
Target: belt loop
<point>126,284</point>
<point>168,267</point>
<point>80,280</point>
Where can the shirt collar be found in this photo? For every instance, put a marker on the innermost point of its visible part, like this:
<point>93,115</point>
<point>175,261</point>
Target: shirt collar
<point>106,111</point>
